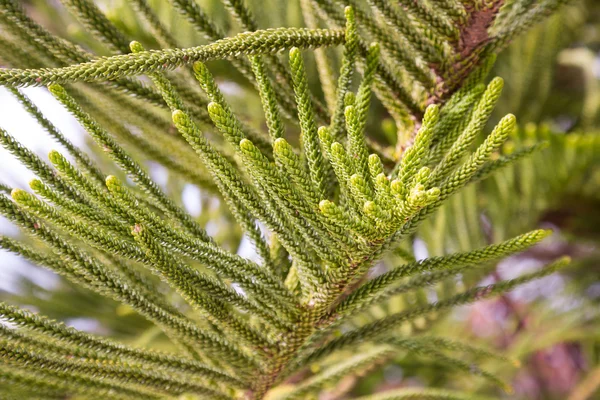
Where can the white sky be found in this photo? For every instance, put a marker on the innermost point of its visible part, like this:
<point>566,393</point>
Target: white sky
<point>19,124</point>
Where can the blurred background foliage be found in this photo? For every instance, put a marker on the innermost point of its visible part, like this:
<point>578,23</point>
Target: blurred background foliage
<point>552,77</point>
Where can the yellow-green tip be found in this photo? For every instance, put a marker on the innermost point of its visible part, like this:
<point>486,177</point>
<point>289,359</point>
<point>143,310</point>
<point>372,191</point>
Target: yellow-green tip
<point>19,194</point>
<point>214,108</point>
<point>179,117</point>
<point>543,233</point>
<point>55,157</point>
<point>357,179</point>
<point>564,260</point>
<point>381,179</point>
<point>349,12</point>
<point>374,49</point>
<point>325,135</point>
<point>36,184</point>
<point>56,89</point>
<point>136,47</point>
<point>396,186</point>
<point>247,145</point>
<point>281,145</point>
<point>337,148</point>
<point>431,112</point>
<point>369,207</point>
<point>112,181</point>
<point>506,126</point>
<point>325,205</point>
<point>510,119</point>
<point>433,193</point>
<point>350,112</point>
<point>497,83</point>
<point>374,158</point>
<point>423,174</point>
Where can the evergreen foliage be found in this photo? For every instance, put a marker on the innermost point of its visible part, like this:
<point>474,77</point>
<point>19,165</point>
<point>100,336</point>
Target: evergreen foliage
<point>322,201</point>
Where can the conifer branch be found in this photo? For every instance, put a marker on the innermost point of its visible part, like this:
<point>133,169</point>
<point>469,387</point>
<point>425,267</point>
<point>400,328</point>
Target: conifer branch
<point>57,383</point>
<point>60,332</point>
<point>377,329</point>
<point>161,32</point>
<point>21,356</point>
<point>81,158</point>
<point>384,285</point>
<point>455,363</point>
<point>354,365</point>
<point>478,352</point>
<point>93,19</point>
<point>323,191</point>
<point>110,68</point>
<point>127,163</point>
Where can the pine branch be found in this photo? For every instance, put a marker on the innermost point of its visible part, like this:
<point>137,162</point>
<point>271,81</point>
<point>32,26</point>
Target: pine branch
<point>22,356</point>
<point>352,366</point>
<point>60,332</point>
<point>126,162</point>
<point>385,285</point>
<point>382,327</point>
<point>457,346</point>
<point>253,43</point>
<point>60,51</point>
<point>90,273</point>
<point>94,20</point>
<point>160,31</point>
<point>310,141</point>
<point>57,383</point>
<point>455,364</point>
<point>346,73</point>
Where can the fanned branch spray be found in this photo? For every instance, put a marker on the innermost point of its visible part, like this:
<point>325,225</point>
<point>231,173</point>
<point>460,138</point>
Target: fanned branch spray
<point>321,201</point>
